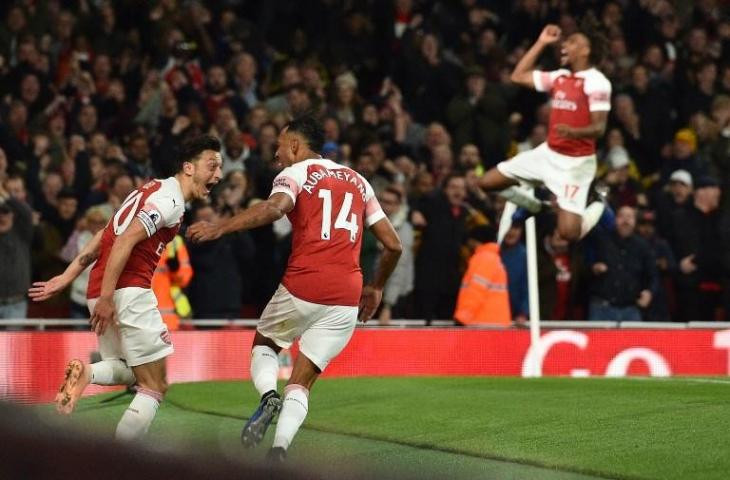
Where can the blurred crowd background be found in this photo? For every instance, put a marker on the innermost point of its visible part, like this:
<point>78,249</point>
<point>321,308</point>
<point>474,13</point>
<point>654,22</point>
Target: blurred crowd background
<point>414,95</point>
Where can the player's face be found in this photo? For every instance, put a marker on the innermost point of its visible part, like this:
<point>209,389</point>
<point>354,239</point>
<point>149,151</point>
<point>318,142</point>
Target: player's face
<point>207,173</point>
<point>573,49</point>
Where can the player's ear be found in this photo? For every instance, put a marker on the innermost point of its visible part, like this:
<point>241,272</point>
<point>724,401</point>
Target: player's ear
<point>294,146</point>
<point>188,168</point>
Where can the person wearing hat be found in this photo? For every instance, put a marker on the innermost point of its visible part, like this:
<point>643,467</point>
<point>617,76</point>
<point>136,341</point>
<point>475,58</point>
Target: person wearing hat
<point>666,265</point>
<point>624,190</point>
<point>697,243</point>
<point>675,196</point>
<point>684,156</point>
<point>16,235</point>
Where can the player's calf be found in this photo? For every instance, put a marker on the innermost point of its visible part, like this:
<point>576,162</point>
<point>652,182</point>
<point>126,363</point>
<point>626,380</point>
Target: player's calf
<point>139,415</point>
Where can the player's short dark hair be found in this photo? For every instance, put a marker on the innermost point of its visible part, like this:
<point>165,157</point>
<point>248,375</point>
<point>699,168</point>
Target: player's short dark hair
<point>191,148</point>
<point>309,127</point>
<point>592,29</point>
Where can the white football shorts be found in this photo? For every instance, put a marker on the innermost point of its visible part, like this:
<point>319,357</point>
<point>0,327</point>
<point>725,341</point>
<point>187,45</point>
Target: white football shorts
<point>141,335</point>
<point>569,178</point>
<point>323,330</point>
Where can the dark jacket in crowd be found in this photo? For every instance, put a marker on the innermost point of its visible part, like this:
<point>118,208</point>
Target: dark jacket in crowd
<point>631,268</point>
<point>15,248</point>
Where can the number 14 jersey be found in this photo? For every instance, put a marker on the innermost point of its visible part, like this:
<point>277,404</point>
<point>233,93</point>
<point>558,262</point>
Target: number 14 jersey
<point>159,205</point>
<point>331,205</point>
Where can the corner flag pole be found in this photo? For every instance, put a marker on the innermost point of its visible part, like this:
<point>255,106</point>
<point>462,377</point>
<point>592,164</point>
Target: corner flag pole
<point>534,369</point>
<point>533,293</point>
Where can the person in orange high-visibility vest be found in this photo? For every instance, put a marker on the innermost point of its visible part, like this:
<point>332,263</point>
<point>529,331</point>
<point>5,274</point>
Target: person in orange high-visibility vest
<point>483,298</point>
<point>173,273</point>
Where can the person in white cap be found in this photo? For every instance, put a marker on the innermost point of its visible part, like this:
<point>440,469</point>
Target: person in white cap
<point>624,190</point>
<point>676,196</point>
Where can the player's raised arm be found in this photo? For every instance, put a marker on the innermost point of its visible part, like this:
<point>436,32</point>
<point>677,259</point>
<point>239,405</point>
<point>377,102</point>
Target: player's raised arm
<point>373,293</point>
<point>262,213</point>
<point>104,312</point>
<point>523,72</point>
<point>41,291</point>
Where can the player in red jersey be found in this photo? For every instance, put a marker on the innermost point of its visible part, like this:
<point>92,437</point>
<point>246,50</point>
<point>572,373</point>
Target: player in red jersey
<point>321,295</point>
<point>580,98</point>
<point>133,339</point>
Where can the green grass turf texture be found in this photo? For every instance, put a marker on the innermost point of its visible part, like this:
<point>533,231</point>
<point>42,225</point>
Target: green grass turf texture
<point>457,426</point>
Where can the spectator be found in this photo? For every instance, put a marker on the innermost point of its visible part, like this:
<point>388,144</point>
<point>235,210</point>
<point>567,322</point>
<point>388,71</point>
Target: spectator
<point>659,309</point>
<point>216,290</point>
<point>173,273</point>
<point>16,234</point>
<point>560,273</point>
<point>677,196</point>
<point>400,283</point>
<point>483,298</point>
<point>624,274</point>
<point>441,218</point>
<point>93,220</point>
<point>624,190</point>
<point>514,258</point>
<point>697,244</point>
<point>480,116</point>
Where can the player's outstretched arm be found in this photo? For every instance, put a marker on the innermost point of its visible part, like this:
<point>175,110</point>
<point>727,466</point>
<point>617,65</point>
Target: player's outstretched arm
<point>373,293</point>
<point>104,312</point>
<point>522,74</point>
<point>263,213</point>
<point>41,291</point>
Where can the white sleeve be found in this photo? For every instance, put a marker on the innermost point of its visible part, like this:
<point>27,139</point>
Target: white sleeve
<point>160,211</point>
<point>544,80</point>
<point>598,90</point>
<point>373,212</point>
<point>290,181</point>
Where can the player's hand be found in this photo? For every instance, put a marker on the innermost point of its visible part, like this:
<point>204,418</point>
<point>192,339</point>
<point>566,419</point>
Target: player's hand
<point>550,34</point>
<point>41,291</point>
<point>369,301</point>
<point>599,268</point>
<point>644,299</point>
<point>203,232</point>
<point>687,264</point>
<point>104,315</point>
<point>564,131</point>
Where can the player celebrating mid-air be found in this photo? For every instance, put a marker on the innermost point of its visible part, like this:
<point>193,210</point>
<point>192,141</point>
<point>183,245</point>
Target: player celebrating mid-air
<point>133,339</point>
<point>318,299</point>
<point>580,99</point>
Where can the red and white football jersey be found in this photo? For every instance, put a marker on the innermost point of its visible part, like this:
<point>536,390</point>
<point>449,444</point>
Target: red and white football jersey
<point>573,96</point>
<point>159,205</point>
<point>331,205</point>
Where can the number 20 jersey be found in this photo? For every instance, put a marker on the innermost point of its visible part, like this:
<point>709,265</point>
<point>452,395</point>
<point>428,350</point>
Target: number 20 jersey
<point>159,205</point>
<point>331,205</point>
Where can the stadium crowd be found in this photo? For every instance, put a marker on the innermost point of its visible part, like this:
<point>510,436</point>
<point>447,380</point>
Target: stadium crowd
<point>414,95</point>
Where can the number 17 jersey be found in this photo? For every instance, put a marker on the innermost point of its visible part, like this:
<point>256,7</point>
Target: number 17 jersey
<point>332,204</point>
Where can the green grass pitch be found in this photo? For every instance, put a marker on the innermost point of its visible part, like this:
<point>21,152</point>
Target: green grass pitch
<point>474,427</point>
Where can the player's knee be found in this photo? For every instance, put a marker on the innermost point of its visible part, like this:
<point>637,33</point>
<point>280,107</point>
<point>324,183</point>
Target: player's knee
<point>160,386</point>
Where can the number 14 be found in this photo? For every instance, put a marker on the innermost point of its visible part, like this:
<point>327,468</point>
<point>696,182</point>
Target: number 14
<point>341,222</point>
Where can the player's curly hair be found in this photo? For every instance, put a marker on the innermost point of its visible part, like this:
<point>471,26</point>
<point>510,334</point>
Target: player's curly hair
<point>192,147</point>
<point>593,30</point>
<point>308,125</point>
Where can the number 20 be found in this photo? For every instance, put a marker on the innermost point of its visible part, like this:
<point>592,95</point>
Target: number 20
<point>341,222</point>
